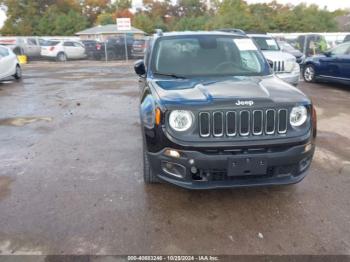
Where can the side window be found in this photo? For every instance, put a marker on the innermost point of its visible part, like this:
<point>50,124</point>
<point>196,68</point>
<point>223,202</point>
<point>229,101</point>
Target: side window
<point>341,50</point>
<point>77,44</point>
<point>31,41</point>
<point>4,52</point>
<point>68,44</point>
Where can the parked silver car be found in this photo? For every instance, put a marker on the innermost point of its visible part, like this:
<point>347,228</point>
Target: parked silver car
<point>29,46</point>
<point>284,64</point>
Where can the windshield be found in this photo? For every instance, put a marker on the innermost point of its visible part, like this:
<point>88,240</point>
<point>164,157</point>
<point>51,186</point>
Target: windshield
<point>286,46</point>
<point>207,55</point>
<point>266,43</point>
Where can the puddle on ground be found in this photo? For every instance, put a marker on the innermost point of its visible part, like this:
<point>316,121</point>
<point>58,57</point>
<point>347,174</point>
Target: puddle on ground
<point>21,121</point>
<point>5,183</point>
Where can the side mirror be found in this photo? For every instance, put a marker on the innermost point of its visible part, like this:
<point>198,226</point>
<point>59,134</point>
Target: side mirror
<point>139,68</point>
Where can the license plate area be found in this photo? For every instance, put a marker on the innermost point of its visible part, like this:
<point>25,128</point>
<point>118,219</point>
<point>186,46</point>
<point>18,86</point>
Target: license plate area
<point>247,166</point>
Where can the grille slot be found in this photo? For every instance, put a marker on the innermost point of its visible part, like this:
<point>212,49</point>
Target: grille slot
<point>243,123</point>
<point>204,124</point>
<point>258,122</point>
<point>218,124</point>
<point>270,121</point>
<point>282,121</point>
<point>231,123</point>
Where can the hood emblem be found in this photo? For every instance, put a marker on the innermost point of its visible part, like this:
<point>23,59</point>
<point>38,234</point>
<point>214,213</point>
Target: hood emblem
<point>244,103</point>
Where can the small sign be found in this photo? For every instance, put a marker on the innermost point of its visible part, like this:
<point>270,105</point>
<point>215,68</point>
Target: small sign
<point>271,42</point>
<point>123,24</point>
<point>245,44</point>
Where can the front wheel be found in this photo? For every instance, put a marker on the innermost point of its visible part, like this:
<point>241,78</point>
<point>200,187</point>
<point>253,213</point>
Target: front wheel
<point>148,175</point>
<point>61,57</point>
<point>309,73</point>
<point>18,74</point>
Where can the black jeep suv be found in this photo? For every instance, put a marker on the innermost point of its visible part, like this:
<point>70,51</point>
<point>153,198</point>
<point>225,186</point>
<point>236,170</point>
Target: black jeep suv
<point>213,115</point>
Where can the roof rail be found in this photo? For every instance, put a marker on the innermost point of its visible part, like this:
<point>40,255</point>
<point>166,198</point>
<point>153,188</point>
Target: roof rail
<point>232,30</point>
<point>159,32</point>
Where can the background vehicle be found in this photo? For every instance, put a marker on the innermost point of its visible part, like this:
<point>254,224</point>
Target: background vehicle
<point>347,38</point>
<point>94,49</point>
<point>62,50</point>
<point>29,46</point>
<point>286,47</point>
<point>213,115</point>
<point>116,47</point>
<point>9,65</point>
<point>333,65</point>
<point>311,44</point>
<point>138,48</point>
<point>283,64</point>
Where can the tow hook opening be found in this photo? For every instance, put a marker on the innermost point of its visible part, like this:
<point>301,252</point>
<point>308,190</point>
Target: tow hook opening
<point>198,175</point>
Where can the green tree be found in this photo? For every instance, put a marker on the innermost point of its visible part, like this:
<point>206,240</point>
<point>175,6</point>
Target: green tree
<point>105,19</point>
<point>54,22</point>
<point>144,22</point>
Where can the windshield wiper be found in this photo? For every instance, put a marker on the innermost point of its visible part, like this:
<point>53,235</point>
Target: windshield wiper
<point>171,75</point>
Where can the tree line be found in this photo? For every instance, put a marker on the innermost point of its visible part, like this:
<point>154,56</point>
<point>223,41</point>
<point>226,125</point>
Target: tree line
<point>66,17</point>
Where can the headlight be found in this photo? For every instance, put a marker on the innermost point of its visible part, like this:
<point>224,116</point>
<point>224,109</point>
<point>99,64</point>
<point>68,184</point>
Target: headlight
<point>298,116</point>
<point>296,68</point>
<point>180,120</point>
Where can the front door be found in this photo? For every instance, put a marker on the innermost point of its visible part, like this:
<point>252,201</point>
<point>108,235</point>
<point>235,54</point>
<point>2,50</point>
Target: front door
<point>6,63</point>
<point>335,63</point>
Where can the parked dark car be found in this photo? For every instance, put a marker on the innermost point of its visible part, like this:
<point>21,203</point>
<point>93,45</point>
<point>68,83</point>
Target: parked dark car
<point>286,47</point>
<point>116,47</point>
<point>333,65</point>
<point>214,116</point>
<point>138,48</point>
<point>94,49</point>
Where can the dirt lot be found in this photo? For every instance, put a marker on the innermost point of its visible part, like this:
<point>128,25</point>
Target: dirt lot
<point>71,177</point>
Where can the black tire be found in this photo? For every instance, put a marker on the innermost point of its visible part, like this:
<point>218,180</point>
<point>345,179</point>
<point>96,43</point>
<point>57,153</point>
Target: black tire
<point>309,73</point>
<point>61,57</point>
<point>18,74</point>
<point>148,175</point>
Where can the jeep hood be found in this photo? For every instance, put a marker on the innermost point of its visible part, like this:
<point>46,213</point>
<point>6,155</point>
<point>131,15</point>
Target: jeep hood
<point>264,89</point>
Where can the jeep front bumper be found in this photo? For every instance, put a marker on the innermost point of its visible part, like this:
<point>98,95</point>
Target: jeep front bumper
<point>207,170</point>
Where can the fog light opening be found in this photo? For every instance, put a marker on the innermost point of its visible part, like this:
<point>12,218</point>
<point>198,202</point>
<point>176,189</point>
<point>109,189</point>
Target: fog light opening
<point>174,169</point>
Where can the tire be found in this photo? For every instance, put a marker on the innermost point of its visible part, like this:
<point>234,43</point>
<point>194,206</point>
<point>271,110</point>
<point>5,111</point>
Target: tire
<point>148,175</point>
<point>18,74</point>
<point>309,73</point>
<point>61,57</point>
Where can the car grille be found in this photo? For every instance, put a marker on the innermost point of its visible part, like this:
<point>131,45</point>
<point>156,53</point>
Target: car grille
<point>278,66</point>
<point>243,123</point>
